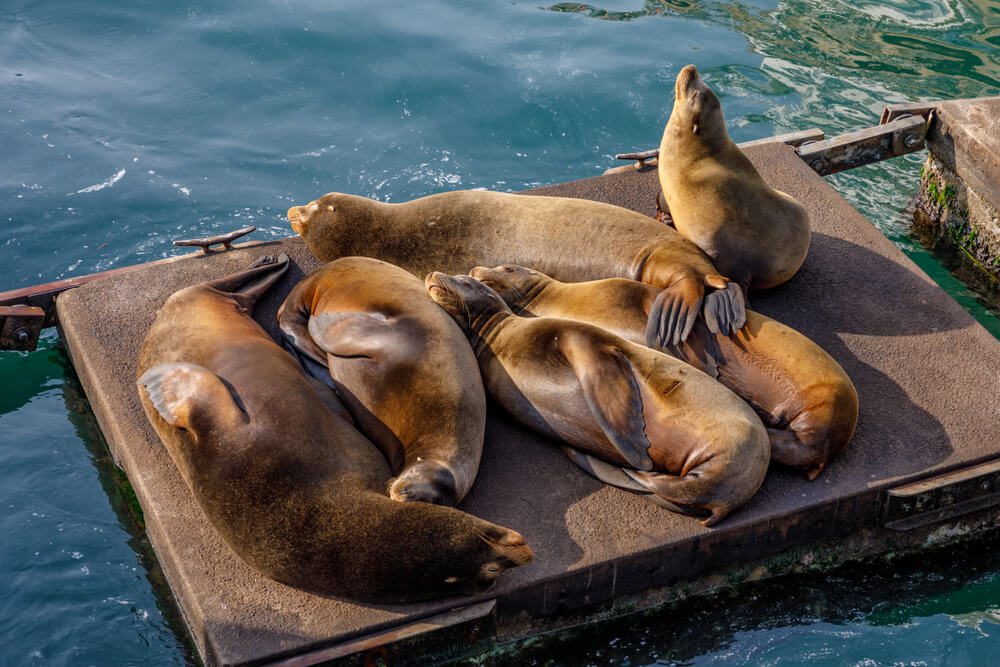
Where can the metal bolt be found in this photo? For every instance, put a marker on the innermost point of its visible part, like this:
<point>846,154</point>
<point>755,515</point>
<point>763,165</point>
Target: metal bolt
<point>907,507</point>
<point>22,335</point>
<point>816,165</point>
<point>911,140</point>
<point>985,485</point>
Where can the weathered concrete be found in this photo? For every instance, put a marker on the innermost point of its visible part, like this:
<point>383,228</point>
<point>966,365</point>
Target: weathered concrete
<point>925,371</point>
<point>959,195</point>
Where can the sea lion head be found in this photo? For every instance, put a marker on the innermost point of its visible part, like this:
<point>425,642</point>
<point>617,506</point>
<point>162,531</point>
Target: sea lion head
<point>331,211</point>
<point>515,284</point>
<point>426,481</point>
<point>459,554</point>
<point>467,300</point>
<point>697,110</point>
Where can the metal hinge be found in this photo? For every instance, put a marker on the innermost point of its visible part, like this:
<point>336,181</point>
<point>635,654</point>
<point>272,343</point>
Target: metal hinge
<point>943,497</point>
<point>20,327</point>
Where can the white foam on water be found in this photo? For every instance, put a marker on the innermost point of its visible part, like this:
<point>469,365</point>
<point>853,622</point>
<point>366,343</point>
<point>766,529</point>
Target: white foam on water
<point>119,175</point>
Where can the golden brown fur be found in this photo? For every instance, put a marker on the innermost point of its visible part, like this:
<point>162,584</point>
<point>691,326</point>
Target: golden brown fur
<point>401,366</point>
<point>803,395</point>
<point>755,235</point>
<point>289,484</point>
<point>666,428</point>
<point>570,239</point>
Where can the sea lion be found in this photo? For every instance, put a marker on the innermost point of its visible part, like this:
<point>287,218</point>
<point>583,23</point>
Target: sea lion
<point>665,428</point>
<point>288,483</point>
<point>402,367</point>
<point>570,239</point>
<point>754,234</point>
<point>805,398</point>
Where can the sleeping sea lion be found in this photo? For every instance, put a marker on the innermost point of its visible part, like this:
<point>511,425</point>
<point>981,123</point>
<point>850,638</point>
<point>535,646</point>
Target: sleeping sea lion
<point>666,428</point>
<point>401,366</point>
<point>570,239</point>
<point>754,234</point>
<point>290,485</point>
<point>804,397</point>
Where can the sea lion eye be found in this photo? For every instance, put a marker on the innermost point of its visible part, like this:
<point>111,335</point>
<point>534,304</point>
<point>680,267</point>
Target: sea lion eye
<point>493,569</point>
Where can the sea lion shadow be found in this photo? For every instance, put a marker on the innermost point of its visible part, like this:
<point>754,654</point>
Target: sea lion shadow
<point>844,287</point>
<point>845,293</point>
<point>526,483</point>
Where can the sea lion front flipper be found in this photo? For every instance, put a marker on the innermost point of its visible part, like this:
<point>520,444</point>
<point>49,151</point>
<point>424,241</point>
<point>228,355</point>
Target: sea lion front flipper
<point>612,393</point>
<point>608,473</point>
<point>674,312</point>
<point>353,334</point>
<point>725,310</point>
<point>191,397</point>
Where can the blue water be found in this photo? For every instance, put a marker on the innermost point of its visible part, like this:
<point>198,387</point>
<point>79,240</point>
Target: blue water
<point>126,125</point>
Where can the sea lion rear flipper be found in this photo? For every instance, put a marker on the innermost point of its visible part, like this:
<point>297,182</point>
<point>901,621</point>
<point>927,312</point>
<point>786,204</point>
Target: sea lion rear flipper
<point>674,312</point>
<point>677,494</point>
<point>612,393</point>
<point>725,310</point>
<point>608,473</point>
<point>353,334</point>
<point>246,287</point>
<point>191,397</point>
<point>293,322</point>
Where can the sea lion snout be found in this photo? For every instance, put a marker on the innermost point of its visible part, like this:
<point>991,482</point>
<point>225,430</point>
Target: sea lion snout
<point>299,216</point>
<point>687,76</point>
<point>426,481</point>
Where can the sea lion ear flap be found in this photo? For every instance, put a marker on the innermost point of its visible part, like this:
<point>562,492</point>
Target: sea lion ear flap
<point>191,397</point>
<point>612,393</point>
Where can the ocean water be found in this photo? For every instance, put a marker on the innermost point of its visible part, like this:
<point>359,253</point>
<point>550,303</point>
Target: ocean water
<point>126,125</point>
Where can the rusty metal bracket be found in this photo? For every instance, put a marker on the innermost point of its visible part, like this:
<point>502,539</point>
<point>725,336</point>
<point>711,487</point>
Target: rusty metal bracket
<point>20,327</point>
<point>226,240</point>
<point>647,159</point>
<point>943,497</point>
<point>857,149</point>
<point>893,111</point>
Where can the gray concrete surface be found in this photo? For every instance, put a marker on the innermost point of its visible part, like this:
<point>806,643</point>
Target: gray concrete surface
<point>925,371</point>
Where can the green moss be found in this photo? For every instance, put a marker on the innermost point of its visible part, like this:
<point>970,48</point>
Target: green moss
<point>127,494</point>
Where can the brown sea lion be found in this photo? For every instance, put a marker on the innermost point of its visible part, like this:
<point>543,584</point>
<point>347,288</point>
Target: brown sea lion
<point>570,239</point>
<point>665,428</point>
<point>804,397</point>
<point>754,234</point>
<point>402,367</point>
<point>290,485</point>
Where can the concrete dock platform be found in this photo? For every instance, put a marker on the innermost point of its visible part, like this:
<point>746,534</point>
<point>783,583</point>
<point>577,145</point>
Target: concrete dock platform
<point>927,376</point>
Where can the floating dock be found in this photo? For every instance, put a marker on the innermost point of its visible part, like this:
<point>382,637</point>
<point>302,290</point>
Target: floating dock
<point>923,466</point>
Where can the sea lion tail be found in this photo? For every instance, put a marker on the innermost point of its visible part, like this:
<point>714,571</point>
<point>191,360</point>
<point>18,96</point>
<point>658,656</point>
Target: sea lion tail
<point>246,287</point>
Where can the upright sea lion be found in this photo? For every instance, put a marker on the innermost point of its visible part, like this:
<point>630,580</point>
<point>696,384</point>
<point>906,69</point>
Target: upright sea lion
<point>570,239</point>
<point>666,428</point>
<point>290,485</point>
<point>804,397</point>
<point>754,234</point>
<point>401,366</point>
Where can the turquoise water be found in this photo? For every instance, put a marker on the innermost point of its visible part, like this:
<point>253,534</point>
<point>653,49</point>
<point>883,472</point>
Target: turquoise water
<point>124,127</point>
